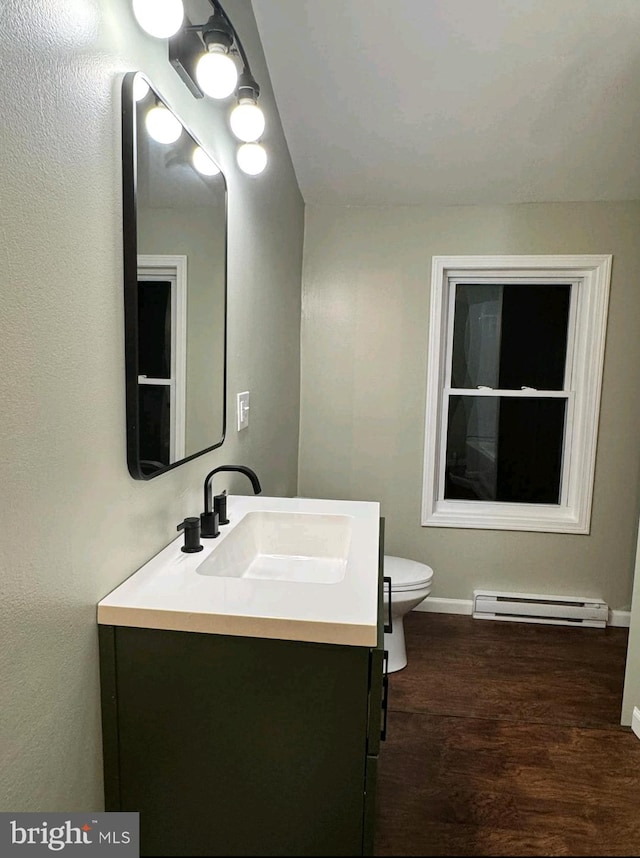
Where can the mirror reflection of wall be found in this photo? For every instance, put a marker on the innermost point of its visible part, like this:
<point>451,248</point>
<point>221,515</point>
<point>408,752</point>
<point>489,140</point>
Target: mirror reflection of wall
<point>180,300</point>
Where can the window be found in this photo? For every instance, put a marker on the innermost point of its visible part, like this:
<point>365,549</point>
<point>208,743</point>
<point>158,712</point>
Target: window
<point>516,350</point>
<point>161,338</point>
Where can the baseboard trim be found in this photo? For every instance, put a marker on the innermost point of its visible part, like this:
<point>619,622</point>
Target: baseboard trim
<point>435,605</point>
<point>620,618</point>
<point>446,606</point>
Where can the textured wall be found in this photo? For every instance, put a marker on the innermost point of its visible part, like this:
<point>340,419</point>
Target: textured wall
<point>366,289</point>
<point>74,524</point>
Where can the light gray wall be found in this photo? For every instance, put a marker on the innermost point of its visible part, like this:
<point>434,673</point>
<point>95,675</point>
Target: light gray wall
<point>366,289</point>
<point>74,524</point>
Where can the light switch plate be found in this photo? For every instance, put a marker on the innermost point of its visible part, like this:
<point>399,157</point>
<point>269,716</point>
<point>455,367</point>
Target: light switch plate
<point>243,410</point>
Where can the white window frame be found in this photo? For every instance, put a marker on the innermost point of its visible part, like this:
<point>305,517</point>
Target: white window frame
<point>590,276</point>
<point>174,269</point>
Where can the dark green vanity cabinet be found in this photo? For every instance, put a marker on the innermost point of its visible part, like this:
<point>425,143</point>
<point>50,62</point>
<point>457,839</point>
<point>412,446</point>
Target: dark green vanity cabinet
<point>242,746</point>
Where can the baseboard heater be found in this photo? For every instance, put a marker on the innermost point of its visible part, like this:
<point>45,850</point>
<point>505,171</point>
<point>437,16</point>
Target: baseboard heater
<point>529,608</point>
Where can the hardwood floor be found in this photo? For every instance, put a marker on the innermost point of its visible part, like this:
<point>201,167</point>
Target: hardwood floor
<point>504,739</point>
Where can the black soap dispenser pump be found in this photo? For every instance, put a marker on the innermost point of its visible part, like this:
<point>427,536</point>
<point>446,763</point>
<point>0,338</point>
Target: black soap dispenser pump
<point>191,527</point>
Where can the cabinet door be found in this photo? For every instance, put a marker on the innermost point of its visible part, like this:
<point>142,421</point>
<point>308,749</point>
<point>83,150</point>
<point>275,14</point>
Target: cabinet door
<point>241,746</point>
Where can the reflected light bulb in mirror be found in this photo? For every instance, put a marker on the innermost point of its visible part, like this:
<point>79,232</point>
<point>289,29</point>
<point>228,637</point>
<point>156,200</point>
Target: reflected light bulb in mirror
<point>140,88</point>
<point>203,163</point>
<point>159,18</point>
<point>252,158</point>
<point>247,121</point>
<point>162,125</point>
<point>216,73</point>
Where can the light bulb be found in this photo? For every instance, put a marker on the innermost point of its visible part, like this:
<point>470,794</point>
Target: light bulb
<point>140,88</point>
<point>252,158</point>
<point>159,18</point>
<point>162,125</point>
<point>247,121</point>
<point>203,163</point>
<point>216,74</point>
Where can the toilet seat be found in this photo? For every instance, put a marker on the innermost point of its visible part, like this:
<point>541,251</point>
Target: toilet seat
<point>406,574</point>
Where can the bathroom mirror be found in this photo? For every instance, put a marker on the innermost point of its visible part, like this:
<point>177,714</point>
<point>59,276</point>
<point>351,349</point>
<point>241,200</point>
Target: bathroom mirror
<point>175,244</point>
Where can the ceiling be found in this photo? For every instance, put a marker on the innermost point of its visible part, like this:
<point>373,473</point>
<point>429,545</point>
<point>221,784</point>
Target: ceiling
<point>404,102</point>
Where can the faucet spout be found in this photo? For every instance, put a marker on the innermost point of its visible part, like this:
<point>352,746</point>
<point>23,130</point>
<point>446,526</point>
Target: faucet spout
<point>241,469</point>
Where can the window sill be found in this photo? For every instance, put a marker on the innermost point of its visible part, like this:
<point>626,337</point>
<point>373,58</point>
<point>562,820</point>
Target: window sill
<point>486,515</point>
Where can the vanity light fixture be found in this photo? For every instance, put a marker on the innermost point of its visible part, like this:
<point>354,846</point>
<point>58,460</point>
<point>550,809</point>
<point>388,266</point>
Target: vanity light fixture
<point>159,18</point>
<point>141,88</point>
<point>247,119</point>
<point>162,125</point>
<point>216,72</point>
<point>165,128</point>
<point>206,58</point>
<point>252,158</point>
<point>203,163</point>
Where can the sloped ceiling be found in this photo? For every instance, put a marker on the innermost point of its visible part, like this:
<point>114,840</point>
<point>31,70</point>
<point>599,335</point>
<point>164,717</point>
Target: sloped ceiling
<point>457,101</point>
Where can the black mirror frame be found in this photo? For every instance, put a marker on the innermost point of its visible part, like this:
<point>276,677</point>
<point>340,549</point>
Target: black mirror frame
<point>130,249</point>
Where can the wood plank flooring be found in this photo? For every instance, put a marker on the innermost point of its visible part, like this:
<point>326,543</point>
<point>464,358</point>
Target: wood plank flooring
<point>504,739</point>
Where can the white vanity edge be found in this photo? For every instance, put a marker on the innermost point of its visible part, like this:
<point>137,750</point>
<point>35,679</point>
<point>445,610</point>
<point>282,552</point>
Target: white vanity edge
<point>168,593</point>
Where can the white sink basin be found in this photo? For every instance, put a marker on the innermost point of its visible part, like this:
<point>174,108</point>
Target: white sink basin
<point>297,547</point>
<point>300,569</point>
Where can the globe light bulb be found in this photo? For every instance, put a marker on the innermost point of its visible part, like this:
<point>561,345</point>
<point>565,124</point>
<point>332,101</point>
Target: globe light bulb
<point>140,88</point>
<point>162,125</point>
<point>247,121</point>
<point>252,158</point>
<point>216,73</point>
<point>203,163</point>
<point>159,18</point>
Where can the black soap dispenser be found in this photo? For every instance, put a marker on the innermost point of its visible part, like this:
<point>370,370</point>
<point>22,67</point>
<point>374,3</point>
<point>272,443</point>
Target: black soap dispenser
<point>191,527</point>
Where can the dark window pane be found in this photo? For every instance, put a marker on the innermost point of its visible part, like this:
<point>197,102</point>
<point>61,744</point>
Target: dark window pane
<point>155,425</point>
<point>530,450</point>
<point>154,328</point>
<point>504,449</point>
<point>476,336</point>
<point>510,336</point>
<point>472,442</point>
<point>534,337</point>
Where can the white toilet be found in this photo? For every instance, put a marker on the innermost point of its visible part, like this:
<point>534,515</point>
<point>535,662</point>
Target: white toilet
<point>410,584</point>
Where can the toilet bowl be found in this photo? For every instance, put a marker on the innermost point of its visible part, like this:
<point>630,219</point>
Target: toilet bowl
<point>410,584</point>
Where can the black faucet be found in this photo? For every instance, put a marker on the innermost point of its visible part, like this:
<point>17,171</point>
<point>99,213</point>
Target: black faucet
<point>215,509</point>
<point>191,527</point>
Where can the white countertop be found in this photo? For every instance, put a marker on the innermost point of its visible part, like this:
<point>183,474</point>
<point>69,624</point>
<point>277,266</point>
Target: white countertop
<point>169,593</point>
